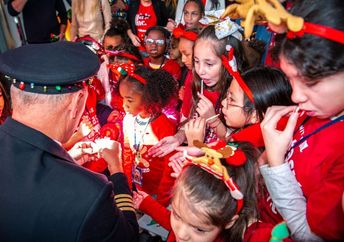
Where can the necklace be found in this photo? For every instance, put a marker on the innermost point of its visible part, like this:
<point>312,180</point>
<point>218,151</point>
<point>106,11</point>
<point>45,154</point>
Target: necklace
<point>140,127</point>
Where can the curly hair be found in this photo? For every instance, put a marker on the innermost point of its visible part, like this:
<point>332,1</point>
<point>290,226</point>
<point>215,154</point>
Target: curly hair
<point>313,56</point>
<point>158,90</point>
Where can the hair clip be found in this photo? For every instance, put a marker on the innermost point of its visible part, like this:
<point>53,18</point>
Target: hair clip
<point>227,27</point>
<point>123,69</point>
<point>231,66</point>
<point>211,163</point>
<point>180,32</point>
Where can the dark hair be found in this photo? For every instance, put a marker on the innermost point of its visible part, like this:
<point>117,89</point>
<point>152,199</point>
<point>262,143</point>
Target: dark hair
<point>219,45</point>
<point>269,86</point>
<point>202,187</point>
<point>254,50</point>
<point>158,90</point>
<point>6,112</point>
<point>313,56</point>
<point>131,49</point>
<point>198,3</point>
<point>118,27</point>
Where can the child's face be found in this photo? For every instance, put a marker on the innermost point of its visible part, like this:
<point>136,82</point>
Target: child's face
<point>192,15</point>
<point>314,98</point>
<point>207,64</point>
<point>190,226</point>
<point>111,42</point>
<point>174,51</point>
<point>155,44</point>
<point>233,106</point>
<point>185,48</point>
<point>132,100</point>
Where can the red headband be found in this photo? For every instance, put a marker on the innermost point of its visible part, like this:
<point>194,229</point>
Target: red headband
<point>126,69</point>
<point>180,32</point>
<point>234,157</point>
<point>318,30</point>
<point>231,66</point>
<point>121,53</point>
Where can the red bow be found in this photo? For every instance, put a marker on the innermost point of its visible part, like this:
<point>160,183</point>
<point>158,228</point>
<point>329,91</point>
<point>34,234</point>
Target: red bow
<point>180,32</point>
<point>237,158</point>
<point>231,66</point>
<point>318,30</point>
<point>122,69</point>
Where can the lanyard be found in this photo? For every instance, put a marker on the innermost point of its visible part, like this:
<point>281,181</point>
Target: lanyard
<point>137,143</point>
<point>324,126</point>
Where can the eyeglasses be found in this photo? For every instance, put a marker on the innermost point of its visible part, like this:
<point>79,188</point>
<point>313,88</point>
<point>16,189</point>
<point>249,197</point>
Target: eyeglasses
<point>159,42</point>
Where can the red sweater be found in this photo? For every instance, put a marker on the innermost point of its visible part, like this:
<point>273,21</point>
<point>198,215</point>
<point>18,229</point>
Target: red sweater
<point>152,174</point>
<point>318,164</point>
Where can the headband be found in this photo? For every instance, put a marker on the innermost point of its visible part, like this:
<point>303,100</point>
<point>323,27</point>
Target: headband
<point>318,30</point>
<point>211,163</point>
<point>231,65</point>
<point>124,69</point>
<point>180,32</point>
<point>121,53</point>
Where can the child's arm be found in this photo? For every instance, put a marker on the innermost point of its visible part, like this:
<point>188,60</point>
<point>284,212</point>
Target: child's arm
<point>289,200</point>
<point>149,206</point>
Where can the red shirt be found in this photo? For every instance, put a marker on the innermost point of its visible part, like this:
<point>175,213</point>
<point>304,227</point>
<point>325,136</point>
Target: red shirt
<point>152,172</point>
<point>318,164</point>
<point>144,19</point>
<point>171,66</point>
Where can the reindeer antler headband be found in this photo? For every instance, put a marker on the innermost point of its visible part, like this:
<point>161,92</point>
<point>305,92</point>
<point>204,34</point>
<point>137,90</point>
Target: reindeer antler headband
<point>210,162</point>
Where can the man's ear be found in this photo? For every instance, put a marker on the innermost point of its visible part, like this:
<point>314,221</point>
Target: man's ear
<point>232,222</point>
<point>77,103</point>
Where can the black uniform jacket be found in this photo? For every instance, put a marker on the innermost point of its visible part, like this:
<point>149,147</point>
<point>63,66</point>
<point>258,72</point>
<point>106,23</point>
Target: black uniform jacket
<point>45,196</point>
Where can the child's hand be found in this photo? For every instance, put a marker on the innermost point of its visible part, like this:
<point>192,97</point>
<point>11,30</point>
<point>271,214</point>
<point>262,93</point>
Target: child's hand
<point>205,107</point>
<point>135,40</point>
<point>171,25</point>
<point>164,146</point>
<point>138,197</point>
<point>177,161</point>
<point>277,142</point>
<point>113,157</point>
<point>195,130</point>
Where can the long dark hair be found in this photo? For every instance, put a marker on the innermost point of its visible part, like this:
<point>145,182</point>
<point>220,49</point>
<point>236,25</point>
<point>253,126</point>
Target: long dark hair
<point>313,56</point>
<point>219,45</point>
<point>269,86</point>
<point>204,189</point>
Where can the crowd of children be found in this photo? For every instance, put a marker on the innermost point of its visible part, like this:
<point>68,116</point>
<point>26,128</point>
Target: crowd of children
<point>216,145</point>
